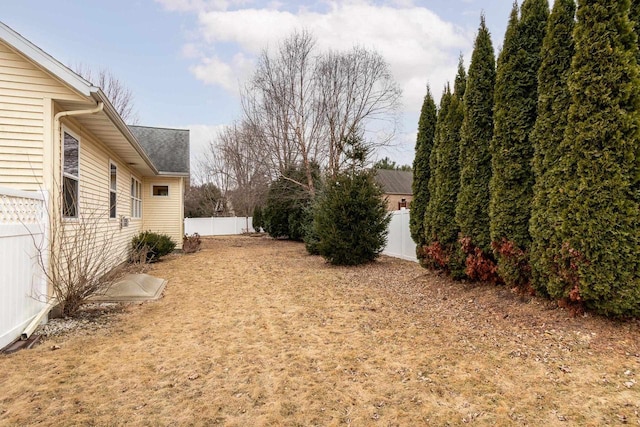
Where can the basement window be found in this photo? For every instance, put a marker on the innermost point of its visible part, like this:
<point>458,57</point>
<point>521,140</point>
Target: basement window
<point>160,190</point>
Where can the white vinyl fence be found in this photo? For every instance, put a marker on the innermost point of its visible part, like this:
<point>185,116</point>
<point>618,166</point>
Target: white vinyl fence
<point>399,242</point>
<point>218,226</point>
<point>22,285</point>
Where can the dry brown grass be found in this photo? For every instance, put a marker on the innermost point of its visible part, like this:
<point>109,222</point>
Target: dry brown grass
<point>255,332</point>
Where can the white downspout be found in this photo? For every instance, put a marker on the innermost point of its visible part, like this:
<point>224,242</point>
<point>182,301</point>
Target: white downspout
<point>56,136</point>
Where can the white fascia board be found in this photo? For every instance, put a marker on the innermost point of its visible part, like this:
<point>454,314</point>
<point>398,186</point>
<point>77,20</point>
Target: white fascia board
<point>45,60</point>
<point>116,119</point>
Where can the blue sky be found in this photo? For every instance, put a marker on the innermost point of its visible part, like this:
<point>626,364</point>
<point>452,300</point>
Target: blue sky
<point>184,60</point>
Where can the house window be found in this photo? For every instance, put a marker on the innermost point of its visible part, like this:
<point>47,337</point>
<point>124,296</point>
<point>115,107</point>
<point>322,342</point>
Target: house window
<point>136,198</point>
<point>161,190</point>
<point>70,176</point>
<point>113,189</point>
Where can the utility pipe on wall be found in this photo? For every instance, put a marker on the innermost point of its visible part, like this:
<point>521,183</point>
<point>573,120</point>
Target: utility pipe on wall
<point>56,136</point>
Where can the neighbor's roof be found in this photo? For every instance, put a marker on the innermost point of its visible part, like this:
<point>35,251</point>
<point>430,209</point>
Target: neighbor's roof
<point>167,148</point>
<point>394,181</point>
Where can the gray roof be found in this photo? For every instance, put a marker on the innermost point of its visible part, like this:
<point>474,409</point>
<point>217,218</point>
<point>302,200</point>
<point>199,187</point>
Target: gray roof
<point>394,181</point>
<point>168,149</point>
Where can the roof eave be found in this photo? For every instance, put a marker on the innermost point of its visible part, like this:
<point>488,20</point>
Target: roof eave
<point>44,60</point>
<point>176,174</point>
<point>115,118</point>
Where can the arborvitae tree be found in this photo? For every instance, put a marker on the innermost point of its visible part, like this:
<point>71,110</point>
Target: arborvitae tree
<point>599,260</point>
<point>516,97</point>
<point>472,209</point>
<point>441,209</point>
<point>430,229</point>
<point>421,171</point>
<point>634,15</point>
<point>553,106</point>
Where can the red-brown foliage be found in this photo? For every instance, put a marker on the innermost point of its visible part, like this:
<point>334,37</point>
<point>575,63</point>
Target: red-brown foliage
<point>479,265</point>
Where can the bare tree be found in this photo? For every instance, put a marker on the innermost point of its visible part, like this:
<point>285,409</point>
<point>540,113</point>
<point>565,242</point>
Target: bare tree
<point>118,93</point>
<point>357,89</point>
<point>246,167</point>
<point>281,103</point>
<point>303,106</point>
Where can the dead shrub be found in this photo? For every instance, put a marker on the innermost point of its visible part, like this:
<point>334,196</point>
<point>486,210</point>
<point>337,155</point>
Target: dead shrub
<point>191,244</point>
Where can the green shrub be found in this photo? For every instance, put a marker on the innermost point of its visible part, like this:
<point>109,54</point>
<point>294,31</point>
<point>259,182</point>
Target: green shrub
<point>421,171</point>
<point>598,261</point>
<point>284,212</point>
<point>553,106</point>
<point>516,97</point>
<point>258,221</point>
<point>472,206</point>
<point>440,224</point>
<point>351,219</point>
<point>150,246</point>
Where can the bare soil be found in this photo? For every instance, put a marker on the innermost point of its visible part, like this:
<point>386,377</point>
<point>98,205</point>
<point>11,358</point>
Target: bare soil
<point>253,331</point>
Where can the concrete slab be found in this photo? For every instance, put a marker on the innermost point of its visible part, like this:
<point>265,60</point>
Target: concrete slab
<point>133,287</point>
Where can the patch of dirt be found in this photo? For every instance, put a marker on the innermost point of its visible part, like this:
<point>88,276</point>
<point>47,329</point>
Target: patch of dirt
<point>253,331</point>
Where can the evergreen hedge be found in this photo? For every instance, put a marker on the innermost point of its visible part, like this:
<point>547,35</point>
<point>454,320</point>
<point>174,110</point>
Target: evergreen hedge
<point>472,208</point>
<point>598,263</point>
<point>421,170</point>
<point>441,227</point>
<point>516,97</point>
<point>553,105</point>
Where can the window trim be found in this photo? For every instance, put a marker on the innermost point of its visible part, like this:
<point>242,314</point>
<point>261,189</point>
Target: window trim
<point>113,191</point>
<point>136,184</point>
<point>63,174</point>
<point>160,185</point>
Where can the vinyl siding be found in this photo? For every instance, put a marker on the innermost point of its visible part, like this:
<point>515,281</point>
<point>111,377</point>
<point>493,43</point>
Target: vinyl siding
<point>164,214</point>
<point>23,90</point>
<point>94,181</point>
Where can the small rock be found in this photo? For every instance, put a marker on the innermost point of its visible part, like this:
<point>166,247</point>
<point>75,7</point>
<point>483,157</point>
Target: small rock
<point>55,347</point>
<point>194,376</point>
<point>629,384</point>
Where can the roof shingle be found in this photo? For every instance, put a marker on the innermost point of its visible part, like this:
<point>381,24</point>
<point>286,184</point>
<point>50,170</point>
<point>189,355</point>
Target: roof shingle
<point>395,181</point>
<point>168,149</point>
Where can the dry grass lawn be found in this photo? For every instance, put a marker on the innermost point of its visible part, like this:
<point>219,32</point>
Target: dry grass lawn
<point>255,332</point>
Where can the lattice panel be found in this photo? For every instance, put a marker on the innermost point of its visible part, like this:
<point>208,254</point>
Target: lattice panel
<point>20,210</point>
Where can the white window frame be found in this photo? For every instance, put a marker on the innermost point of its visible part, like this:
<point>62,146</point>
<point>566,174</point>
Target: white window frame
<point>136,198</point>
<point>64,175</point>
<point>113,191</point>
<point>160,185</point>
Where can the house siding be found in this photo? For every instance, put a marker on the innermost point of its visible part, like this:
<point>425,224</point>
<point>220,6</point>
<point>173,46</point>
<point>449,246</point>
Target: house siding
<point>164,214</point>
<point>94,173</point>
<point>24,91</point>
<point>394,199</point>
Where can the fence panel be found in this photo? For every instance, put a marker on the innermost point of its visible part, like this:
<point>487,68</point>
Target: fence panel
<point>399,242</point>
<point>22,285</point>
<point>218,226</point>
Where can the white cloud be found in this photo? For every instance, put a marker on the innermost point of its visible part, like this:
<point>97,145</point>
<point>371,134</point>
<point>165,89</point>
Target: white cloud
<point>420,47</point>
<point>228,75</point>
<point>201,5</point>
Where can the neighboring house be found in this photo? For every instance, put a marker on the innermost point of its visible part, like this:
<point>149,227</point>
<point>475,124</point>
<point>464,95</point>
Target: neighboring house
<point>61,137</point>
<point>396,186</point>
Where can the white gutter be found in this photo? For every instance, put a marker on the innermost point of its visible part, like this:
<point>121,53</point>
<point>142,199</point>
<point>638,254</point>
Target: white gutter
<point>56,126</point>
<point>57,117</point>
<point>36,320</point>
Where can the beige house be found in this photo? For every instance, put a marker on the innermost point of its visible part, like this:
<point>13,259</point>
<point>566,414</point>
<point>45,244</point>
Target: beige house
<point>396,185</point>
<point>60,135</point>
